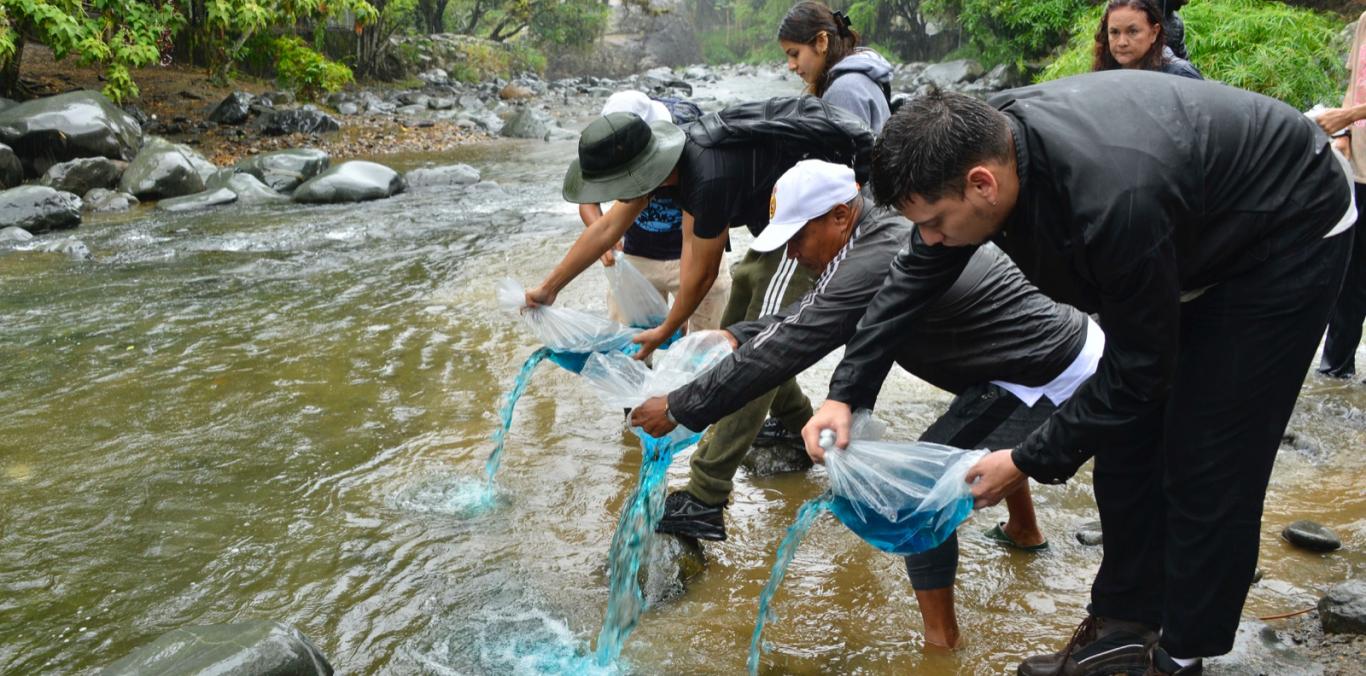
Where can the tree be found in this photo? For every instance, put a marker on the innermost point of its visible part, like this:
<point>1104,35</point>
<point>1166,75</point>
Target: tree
<point>227,25</point>
<point>432,15</point>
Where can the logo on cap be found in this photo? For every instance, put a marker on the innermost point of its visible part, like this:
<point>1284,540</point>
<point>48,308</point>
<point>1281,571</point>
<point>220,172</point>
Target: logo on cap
<point>773,203</point>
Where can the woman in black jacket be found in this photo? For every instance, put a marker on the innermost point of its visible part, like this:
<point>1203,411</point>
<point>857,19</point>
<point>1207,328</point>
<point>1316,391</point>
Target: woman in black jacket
<point>1131,35</point>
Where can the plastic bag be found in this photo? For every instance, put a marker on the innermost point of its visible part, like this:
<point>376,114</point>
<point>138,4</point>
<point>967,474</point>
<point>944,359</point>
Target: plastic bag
<point>623,382</point>
<point>571,335</point>
<point>639,302</point>
<point>902,498</point>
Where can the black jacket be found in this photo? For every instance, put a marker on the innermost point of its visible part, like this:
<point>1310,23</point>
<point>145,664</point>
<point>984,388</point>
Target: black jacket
<point>990,325</point>
<point>1135,187</point>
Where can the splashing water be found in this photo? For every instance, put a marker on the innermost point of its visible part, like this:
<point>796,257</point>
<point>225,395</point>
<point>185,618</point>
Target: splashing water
<point>635,530</point>
<point>788,549</point>
<point>505,413</point>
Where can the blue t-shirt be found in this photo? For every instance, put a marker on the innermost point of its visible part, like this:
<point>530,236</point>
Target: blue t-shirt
<point>657,232</point>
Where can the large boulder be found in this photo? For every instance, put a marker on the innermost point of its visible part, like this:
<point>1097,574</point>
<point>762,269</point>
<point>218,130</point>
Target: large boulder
<point>102,200</point>
<point>248,188</point>
<point>285,170</point>
<point>952,74</point>
<point>14,235</point>
<point>257,648</point>
<point>83,175</point>
<point>38,208</point>
<point>527,122</point>
<point>232,110</point>
<point>305,120</point>
<point>161,170</point>
<point>354,181</point>
<point>1343,609</point>
<point>199,200</point>
<point>449,175</point>
<point>11,169</point>
<point>55,129</point>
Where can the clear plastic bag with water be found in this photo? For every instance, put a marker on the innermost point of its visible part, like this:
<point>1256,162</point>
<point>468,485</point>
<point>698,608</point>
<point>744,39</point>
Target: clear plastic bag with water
<point>571,335</point>
<point>640,303</point>
<point>623,382</point>
<point>901,497</point>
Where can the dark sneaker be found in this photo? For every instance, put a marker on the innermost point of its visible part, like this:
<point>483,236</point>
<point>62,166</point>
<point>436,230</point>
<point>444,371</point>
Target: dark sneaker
<point>774,433</point>
<point>687,516</point>
<point>1099,647</point>
<point>1162,664</point>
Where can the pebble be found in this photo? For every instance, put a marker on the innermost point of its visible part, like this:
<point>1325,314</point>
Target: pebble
<point>1090,534</point>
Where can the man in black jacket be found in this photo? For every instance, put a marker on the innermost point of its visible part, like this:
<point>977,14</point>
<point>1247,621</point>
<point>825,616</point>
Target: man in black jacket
<point>1007,351</point>
<point>1198,220</point>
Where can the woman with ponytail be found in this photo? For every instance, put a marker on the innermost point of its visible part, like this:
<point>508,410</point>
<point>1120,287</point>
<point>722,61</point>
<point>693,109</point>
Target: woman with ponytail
<point>824,51</point>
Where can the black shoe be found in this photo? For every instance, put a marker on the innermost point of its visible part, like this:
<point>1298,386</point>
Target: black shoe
<point>774,433</point>
<point>687,516</point>
<point>1162,664</point>
<point>1099,647</point>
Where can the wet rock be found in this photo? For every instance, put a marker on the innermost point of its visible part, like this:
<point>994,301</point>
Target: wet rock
<point>470,102</point>
<point>38,209</point>
<point>1090,534</point>
<point>484,120</point>
<point>487,186</point>
<point>43,132</point>
<point>561,134</point>
<point>232,110</point>
<point>527,123</point>
<point>83,175</point>
<point>1343,609</point>
<point>354,181</point>
<point>414,99</point>
<point>441,103</point>
<point>453,175</point>
<point>101,200</point>
<point>199,200</point>
<point>770,460</point>
<point>11,169</point>
<point>413,110</point>
<point>14,234</point>
<point>1002,76</point>
<point>285,170</point>
<point>1257,649</point>
<point>1312,536</point>
<point>70,247</point>
<point>434,76</point>
<point>6,104</point>
<point>257,648</point>
<point>305,120</point>
<point>249,189</point>
<point>668,565</point>
<point>161,170</point>
<point>347,108</point>
<point>952,73</point>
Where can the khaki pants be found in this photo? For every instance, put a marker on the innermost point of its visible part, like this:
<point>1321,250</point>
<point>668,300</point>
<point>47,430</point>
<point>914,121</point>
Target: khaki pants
<point>664,276</point>
<point>761,284</point>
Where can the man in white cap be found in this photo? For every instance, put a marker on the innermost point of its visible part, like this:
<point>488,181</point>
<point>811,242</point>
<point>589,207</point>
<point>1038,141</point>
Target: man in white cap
<point>654,242</point>
<point>1008,352</point>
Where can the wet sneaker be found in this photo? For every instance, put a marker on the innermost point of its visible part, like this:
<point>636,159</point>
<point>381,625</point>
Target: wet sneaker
<point>1099,647</point>
<point>1162,664</point>
<point>686,515</point>
<point>774,433</point>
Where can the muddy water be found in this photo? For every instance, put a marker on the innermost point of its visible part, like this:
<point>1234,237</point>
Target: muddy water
<point>273,412</point>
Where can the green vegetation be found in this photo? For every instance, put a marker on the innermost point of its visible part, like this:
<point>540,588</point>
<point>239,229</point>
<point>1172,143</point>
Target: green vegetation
<point>1268,47</point>
<point>306,71</point>
<point>1012,31</point>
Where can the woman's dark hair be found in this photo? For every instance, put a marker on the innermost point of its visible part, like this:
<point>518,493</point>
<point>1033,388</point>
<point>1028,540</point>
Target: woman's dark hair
<point>1153,60</point>
<point>806,21</point>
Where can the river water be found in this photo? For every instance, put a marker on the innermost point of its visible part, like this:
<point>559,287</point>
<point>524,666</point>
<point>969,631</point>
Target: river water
<point>275,413</point>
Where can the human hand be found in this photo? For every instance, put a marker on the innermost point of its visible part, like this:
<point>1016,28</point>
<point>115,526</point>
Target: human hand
<point>1334,120</point>
<point>999,478</point>
<point>1343,145</point>
<point>609,258</point>
<point>540,296</point>
<point>833,415</point>
<point>653,417</point>
<point>650,340</point>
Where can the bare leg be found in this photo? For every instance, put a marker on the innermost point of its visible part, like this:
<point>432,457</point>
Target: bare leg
<point>1022,527</point>
<point>941,624</point>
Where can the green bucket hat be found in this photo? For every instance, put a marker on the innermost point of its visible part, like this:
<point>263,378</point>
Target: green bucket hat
<point>622,157</point>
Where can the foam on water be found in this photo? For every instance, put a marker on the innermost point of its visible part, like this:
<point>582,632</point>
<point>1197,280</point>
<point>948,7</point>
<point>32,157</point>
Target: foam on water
<point>457,496</point>
<point>786,550</point>
<point>529,642</point>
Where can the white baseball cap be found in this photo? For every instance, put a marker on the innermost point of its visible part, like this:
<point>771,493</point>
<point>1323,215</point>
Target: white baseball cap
<point>809,190</point>
<point>637,103</point>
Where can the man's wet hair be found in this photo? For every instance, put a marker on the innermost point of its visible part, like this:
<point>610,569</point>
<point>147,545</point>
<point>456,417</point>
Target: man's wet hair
<point>929,144</point>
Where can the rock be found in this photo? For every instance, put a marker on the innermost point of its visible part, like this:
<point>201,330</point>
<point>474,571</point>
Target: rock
<point>1002,76</point>
<point>250,190</point>
<point>561,134</point>
<point>70,247</point>
<point>101,200</point>
<point>161,170</point>
<point>11,169</point>
<point>515,92</point>
<point>1343,609</point>
<point>527,123</point>
<point>1090,534</point>
<point>6,104</point>
<point>348,108</point>
<point>354,181</point>
<point>951,73</point>
<point>279,98</point>
<point>38,209</point>
<point>306,120</point>
<point>1311,536</point>
<point>453,174</point>
<point>770,460</point>
<point>14,234</point>
<point>199,200</point>
<point>414,99</point>
<point>55,129</point>
<point>232,110</point>
<point>470,102</point>
<point>441,103</point>
<point>412,111</point>
<point>285,170</point>
<point>83,175</point>
<point>256,648</point>
<point>487,186</point>
<point>434,76</point>
<point>668,565</point>
<point>1257,649</point>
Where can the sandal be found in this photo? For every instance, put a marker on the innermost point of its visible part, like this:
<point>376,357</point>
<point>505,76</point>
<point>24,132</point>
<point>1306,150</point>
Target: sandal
<point>998,535</point>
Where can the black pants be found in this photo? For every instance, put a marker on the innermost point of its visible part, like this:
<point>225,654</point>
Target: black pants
<point>982,416</point>
<point>1344,325</point>
<point>1181,505</point>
